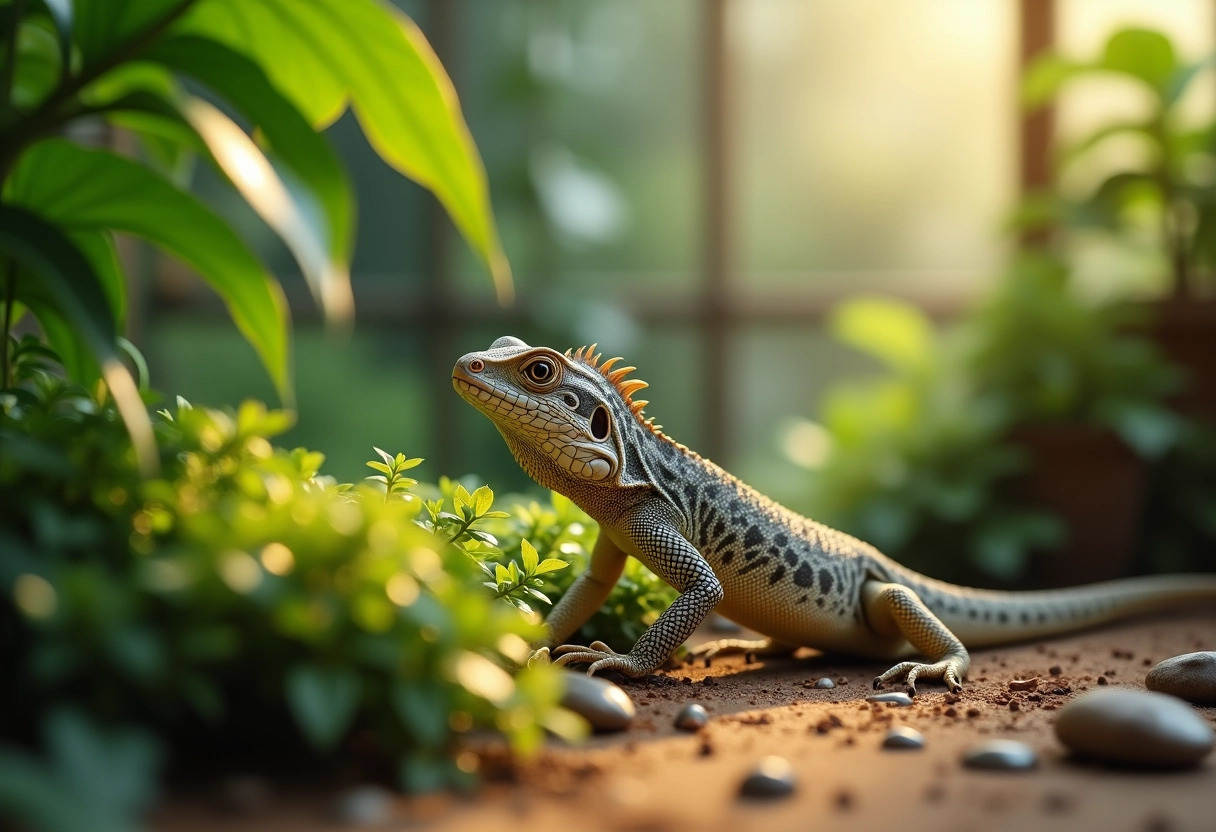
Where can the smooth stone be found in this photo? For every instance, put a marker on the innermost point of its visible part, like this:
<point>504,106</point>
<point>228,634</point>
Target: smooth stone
<point>902,737</point>
<point>897,696</point>
<point>603,704</point>
<point>773,777</point>
<point>1001,755</point>
<point>364,806</point>
<point>1134,727</point>
<point>1191,676</point>
<point>825,683</point>
<point>691,717</point>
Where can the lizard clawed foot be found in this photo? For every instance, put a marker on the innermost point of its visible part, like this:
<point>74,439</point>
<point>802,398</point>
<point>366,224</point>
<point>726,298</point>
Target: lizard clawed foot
<point>950,670</point>
<point>601,657</point>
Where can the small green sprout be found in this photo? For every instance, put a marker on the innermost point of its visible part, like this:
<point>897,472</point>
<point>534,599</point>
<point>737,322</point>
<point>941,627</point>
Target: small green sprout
<point>514,582</point>
<point>390,475</point>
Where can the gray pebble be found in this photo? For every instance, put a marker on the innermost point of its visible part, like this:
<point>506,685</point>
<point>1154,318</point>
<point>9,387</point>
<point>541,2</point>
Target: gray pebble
<point>1134,727</point>
<point>364,806</point>
<point>825,683</point>
<point>1191,676</point>
<point>897,696</point>
<point>773,777</point>
<point>603,704</point>
<point>902,737</point>
<point>1001,755</point>
<point>691,717</point>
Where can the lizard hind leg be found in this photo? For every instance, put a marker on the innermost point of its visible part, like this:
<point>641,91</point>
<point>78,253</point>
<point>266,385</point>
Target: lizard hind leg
<point>894,609</point>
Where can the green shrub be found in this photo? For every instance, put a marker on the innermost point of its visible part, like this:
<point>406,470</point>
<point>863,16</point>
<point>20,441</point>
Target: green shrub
<point>145,617</point>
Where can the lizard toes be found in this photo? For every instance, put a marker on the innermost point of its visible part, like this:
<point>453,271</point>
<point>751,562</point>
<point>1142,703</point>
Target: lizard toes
<point>877,684</point>
<point>912,690</point>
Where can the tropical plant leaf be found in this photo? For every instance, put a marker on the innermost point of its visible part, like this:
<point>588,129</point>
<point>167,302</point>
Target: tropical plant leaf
<point>38,64</point>
<point>244,86</point>
<point>1143,54</point>
<point>92,189</point>
<point>289,211</point>
<point>103,27</point>
<point>895,333</point>
<point>321,53</point>
<point>68,284</point>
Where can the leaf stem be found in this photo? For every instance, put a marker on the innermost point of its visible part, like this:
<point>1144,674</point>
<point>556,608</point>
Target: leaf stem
<point>10,296</point>
<point>10,58</point>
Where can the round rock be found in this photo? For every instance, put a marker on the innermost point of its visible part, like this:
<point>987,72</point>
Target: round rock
<point>603,704</point>
<point>364,806</point>
<point>772,777</point>
<point>691,717</point>
<point>903,738</point>
<point>1133,727</point>
<point>1191,676</point>
<point>898,697</point>
<point>825,683</point>
<point>1001,755</point>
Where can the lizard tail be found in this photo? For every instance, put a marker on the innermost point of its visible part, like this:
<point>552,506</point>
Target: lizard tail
<point>986,617</point>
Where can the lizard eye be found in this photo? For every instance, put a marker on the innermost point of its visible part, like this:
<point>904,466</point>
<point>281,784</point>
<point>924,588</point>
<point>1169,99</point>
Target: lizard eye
<point>541,371</point>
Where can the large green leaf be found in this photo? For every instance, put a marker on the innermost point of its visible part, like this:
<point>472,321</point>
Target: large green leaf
<point>68,284</point>
<point>67,342</point>
<point>92,189</point>
<point>894,332</point>
<point>244,86</point>
<point>322,249</point>
<point>322,52</point>
<point>103,27</point>
<point>291,211</point>
<point>1143,54</point>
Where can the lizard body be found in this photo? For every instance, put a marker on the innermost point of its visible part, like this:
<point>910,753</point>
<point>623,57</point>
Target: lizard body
<point>572,424</point>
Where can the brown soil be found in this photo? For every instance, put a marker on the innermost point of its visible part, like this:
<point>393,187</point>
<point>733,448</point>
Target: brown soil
<point>654,777</point>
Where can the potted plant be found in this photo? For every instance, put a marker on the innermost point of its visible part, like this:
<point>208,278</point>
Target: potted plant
<point>1165,204</point>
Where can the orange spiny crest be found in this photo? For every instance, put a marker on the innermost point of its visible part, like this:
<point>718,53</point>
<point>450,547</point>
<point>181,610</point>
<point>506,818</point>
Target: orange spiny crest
<point>626,387</point>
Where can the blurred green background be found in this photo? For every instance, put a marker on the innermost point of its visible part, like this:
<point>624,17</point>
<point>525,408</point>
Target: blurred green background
<point>859,147</point>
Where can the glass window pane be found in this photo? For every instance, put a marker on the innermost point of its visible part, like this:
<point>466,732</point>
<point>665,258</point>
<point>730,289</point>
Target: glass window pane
<point>587,116</point>
<point>876,142</point>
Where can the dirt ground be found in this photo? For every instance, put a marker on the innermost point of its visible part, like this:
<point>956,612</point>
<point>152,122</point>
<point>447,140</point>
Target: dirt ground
<point>654,777</point>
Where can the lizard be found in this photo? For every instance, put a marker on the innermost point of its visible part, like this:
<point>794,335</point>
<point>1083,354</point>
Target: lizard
<point>572,423</point>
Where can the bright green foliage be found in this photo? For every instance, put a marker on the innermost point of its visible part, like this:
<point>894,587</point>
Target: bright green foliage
<point>288,68</point>
<point>237,592</point>
<point>561,532</point>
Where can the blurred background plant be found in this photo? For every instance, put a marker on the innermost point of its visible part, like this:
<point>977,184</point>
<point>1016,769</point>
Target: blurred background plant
<point>1030,427</point>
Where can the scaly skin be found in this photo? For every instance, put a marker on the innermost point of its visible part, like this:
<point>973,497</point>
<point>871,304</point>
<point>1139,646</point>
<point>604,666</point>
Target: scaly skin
<point>573,426</point>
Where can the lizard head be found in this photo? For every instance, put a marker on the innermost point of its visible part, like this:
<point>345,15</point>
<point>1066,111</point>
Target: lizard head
<point>564,416</point>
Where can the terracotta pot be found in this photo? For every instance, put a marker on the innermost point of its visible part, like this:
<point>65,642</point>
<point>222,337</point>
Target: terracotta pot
<point>1185,332</point>
<point>1098,486</point>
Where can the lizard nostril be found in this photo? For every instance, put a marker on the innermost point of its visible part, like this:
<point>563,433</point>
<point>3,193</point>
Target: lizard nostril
<point>476,365</point>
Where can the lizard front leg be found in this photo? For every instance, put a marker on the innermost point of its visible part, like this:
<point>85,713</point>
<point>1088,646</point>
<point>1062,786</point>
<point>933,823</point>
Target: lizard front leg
<point>586,595</point>
<point>676,561</point>
<point>894,609</point>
